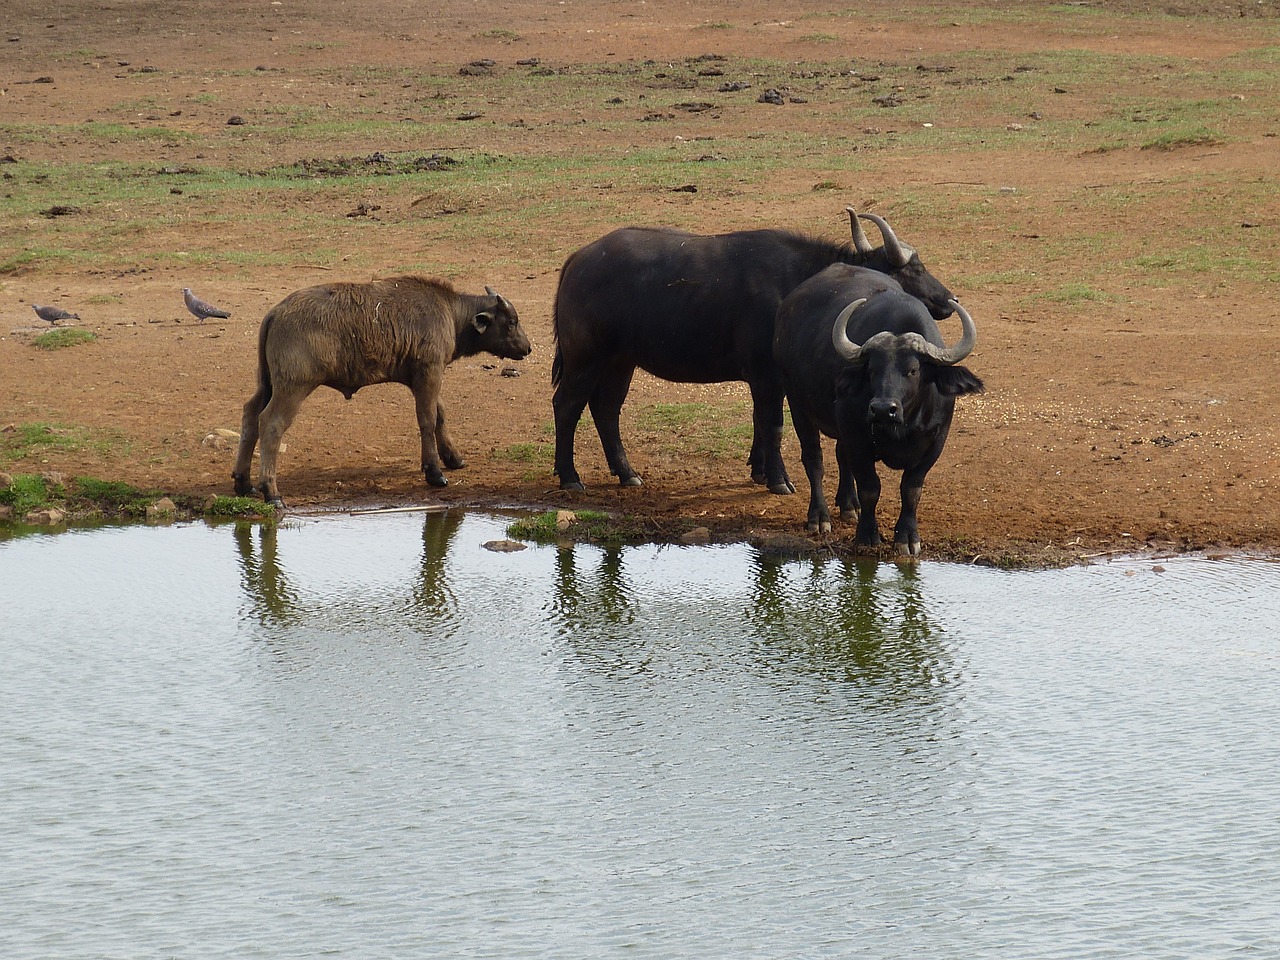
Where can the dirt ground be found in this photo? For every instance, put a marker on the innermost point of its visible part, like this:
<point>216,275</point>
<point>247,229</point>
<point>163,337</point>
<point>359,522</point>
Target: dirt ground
<point>1134,424</point>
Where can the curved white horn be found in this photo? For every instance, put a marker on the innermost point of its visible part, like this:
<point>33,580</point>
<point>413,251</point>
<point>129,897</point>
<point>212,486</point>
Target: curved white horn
<point>839,336</point>
<point>860,241</point>
<point>962,347</point>
<point>898,251</point>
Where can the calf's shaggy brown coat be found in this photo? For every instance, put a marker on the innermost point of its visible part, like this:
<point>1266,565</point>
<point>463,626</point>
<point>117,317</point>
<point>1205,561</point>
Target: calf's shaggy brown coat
<point>350,335</point>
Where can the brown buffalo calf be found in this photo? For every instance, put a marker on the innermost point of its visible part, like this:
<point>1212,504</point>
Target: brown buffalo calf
<point>350,335</point>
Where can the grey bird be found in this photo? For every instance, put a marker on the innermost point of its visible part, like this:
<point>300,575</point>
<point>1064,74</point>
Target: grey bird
<point>200,309</point>
<point>53,314</point>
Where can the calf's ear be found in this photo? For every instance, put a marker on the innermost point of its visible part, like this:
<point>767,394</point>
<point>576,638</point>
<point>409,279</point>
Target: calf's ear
<point>481,321</point>
<point>955,381</point>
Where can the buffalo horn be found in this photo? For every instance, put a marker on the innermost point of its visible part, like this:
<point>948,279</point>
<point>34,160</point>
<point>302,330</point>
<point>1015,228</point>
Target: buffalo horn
<point>840,338</point>
<point>899,253</point>
<point>962,347</point>
<point>860,241</point>
<point>947,356</point>
<point>501,299</point>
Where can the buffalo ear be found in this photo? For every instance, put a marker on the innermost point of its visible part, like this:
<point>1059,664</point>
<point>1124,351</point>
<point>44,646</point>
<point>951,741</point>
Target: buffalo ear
<point>481,321</point>
<point>956,381</point>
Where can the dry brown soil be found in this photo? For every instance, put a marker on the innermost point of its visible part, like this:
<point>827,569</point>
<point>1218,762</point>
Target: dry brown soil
<point>1131,424</point>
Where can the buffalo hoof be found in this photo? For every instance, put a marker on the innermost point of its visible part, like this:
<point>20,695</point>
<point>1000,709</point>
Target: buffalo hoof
<point>759,478</point>
<point>630,482</point>
<point>454,463</point>
<point>849,516</point>
<point>277,502</point>
<point>782,488</point>
<point>436,479</point>
<point>573,485</point>
<point>908,549</point>
<point>243,487</point>
<point>823,527</point>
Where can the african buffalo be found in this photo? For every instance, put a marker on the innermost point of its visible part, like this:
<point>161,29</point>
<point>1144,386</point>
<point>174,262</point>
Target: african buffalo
<point>864,362</point>
<point>350,335</point>
<point>694,309</point>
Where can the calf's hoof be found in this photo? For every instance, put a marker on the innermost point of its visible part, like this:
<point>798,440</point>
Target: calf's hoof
<point>849,516</point>
<point>573,485</point>
<point>435,478</point>
<point>631,481</point>
<point>454,463</point>
<point>782,488</point>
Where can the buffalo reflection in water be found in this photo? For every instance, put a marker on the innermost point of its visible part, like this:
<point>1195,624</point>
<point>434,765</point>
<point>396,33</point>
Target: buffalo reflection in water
<point>847,620</point>
<point>275,600</point>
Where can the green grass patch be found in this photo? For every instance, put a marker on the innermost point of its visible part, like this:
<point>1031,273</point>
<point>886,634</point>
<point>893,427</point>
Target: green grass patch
<point>700,427</point>
<point>240,507</point>
<point>67,337</point>
<point>27,492</point>
<point>590,525</point>
<point>1073,294</point>
<point>25,439</point>
<point>526,453</point>
<point>1178,139</point>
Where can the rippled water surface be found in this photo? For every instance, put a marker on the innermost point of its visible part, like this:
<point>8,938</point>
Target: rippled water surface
<point>370,737</point>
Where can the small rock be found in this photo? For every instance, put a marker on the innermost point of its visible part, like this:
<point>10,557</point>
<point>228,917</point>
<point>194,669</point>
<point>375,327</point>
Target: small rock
<point>208,503</point>
<point>6,480</point>
<point>6,511</point>
<point>53,478</point>
<point>771,96</point>
<point>565,519</point>
<point>164,507</point>
<point>236,121</point>
<point>510,371</point>
<point>49,517</point>
<point>698,535</point>
<point>504,546</point>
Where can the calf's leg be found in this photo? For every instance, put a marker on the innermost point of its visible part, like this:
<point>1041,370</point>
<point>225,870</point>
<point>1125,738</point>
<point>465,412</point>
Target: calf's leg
<point>426,395</point>
<point>448,452</point>
<point>275,419</point>
<point>249,439</point>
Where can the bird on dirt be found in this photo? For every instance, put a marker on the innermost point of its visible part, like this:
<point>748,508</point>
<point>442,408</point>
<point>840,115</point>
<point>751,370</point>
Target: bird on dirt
<point>53,314</point>
<point>200,309</point>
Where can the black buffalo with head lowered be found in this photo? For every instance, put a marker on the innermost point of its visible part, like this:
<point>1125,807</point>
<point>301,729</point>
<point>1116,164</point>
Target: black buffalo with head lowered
<point>350,335</point>
<point>694,309</point>
<point>865,363</point>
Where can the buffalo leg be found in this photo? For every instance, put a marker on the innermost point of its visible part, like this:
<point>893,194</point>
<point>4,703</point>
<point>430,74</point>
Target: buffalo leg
<point>846,495</point>
<point>906,534</point>
<point>249,439</point>
<point>868,483</point>
<point>606,410</point>
<point>568,401</point>
<point>449,454</point>
<point>819,520</point>
<point>276,418</point>
<point>766,443</point>
<point>426,396</point>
